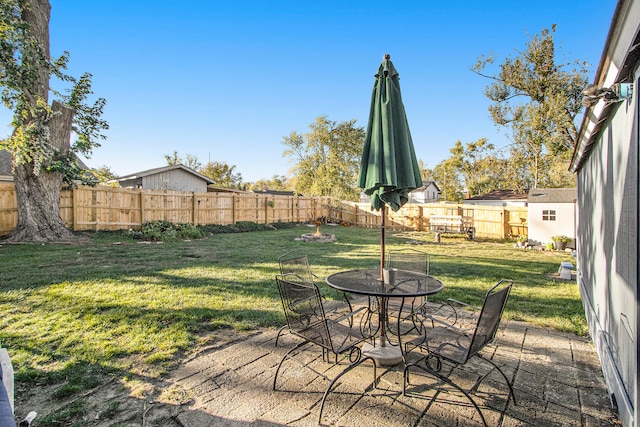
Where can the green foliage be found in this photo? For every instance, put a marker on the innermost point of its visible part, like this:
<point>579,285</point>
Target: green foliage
<point>477,165</point>
<point>277,182</point>
<point>538,99</point>
<point>189,160</point>
<point>561,238</point>
<point>222,174</point>
<point>25,70</point>
<point>327,158</point>
<point>165,231</point>
<point>103,174</point>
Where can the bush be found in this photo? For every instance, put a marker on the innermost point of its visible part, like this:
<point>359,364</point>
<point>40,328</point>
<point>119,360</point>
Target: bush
<point>561,238</point>
<point>189,231</point>
<point>165,231</point>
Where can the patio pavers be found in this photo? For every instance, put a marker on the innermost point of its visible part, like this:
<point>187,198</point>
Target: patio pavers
<point>558,382</point>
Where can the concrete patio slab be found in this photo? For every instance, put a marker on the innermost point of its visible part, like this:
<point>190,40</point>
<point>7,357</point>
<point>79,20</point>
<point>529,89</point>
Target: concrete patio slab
<point>556,376</point>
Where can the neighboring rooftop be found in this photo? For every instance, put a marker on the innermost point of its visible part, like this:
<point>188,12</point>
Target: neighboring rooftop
<point>553,195</point>
<point>501,195</point>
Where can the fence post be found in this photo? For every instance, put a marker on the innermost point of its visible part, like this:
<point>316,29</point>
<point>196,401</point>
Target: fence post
<point>74,210</point>
<point>194,209</point>
<point>142,213</point>
<point>234,201</point>
<point>420,214</point>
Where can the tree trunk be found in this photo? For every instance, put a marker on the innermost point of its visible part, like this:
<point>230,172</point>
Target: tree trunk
<point>38,196</point>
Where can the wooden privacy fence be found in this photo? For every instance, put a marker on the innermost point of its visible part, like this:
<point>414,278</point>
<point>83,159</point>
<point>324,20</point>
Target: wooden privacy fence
<point>495,222</point>
<point>108,208</point>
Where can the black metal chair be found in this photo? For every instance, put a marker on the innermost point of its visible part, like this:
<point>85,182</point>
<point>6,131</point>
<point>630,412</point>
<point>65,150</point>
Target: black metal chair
<point>296,263</point>
<point>447,343</point>
<point>305,314</point>
<point>397,308</point>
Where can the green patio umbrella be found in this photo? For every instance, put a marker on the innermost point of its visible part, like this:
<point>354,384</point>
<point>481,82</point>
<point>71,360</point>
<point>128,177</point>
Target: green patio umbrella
<point>389,168</point>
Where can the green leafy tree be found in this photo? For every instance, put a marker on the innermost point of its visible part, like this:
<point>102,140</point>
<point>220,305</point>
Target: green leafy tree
<point>449,181</point>
<point>538,99</point>
<point>189,160</point>
<point>103,174</point>
<point>477,165</point>
<point>327,158</point>
<point>222,174</point>
<point>40,144</point>
<point>277,182</point>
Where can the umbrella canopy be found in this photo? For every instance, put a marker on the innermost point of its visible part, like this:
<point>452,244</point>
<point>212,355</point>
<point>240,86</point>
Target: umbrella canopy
<point>389,169</point>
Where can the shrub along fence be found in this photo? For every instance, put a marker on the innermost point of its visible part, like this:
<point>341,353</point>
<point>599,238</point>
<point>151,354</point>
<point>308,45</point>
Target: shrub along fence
<point>108,208</point>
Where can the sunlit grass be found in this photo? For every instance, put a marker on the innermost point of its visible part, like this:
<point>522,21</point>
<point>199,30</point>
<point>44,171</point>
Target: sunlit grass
<point>120,307</point>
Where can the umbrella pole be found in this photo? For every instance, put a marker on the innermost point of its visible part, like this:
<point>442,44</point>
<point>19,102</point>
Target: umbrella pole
<point>383,301</point>
<point>382,240</point>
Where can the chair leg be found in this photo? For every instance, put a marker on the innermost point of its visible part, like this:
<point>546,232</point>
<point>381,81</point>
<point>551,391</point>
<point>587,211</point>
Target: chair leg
<point>280,331</point>
<point>353,365</point>
<point>275,377</point>
<point>496,367</point>
<point>441,377</point>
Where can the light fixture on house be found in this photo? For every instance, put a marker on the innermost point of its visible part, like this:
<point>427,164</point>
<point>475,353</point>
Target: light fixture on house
<point>616,93</point>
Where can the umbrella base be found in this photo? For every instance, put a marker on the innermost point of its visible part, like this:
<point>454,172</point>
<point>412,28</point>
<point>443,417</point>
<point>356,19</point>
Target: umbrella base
<point>384,356</point>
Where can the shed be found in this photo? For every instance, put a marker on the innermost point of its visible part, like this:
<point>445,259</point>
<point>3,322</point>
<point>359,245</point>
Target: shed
<point>173,177</point>
<point>551,212</point>
<point>606,162</point>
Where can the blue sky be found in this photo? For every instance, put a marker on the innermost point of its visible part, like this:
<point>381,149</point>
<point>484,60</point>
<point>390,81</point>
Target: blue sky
<point>227,80</point>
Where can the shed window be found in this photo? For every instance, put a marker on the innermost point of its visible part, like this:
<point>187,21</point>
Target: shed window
<point>549,215</point>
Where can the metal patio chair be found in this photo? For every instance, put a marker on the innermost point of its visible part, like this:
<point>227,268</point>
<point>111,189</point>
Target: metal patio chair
<point>398,308</point>
<point>447,343</point>
<point>297,263</point>
<point>305,314</point>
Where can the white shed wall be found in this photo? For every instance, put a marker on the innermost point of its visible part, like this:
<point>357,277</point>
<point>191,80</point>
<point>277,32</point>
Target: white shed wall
<point>542,231</point>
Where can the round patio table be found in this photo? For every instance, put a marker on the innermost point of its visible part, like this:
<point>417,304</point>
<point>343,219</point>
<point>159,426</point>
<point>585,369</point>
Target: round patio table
<point>406,284</point>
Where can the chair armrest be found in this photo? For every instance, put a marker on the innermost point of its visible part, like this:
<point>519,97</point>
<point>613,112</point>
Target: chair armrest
<point>346,316</point>
<point>464,304</point>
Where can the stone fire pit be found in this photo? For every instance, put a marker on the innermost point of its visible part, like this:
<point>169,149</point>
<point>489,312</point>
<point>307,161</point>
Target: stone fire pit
<point>317,236</point>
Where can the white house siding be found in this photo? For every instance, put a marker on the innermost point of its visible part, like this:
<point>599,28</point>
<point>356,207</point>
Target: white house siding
<point>608,252</point>
<point>176,180</point>
<point>541,231</point>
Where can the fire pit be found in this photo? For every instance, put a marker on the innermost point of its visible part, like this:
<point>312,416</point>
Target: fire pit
<point>317,236</point>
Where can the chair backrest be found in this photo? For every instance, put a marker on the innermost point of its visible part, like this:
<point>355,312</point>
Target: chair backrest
<point>295,263</point>
<point>490,315</point>
<point>411,261</point>
<point>303,309</point>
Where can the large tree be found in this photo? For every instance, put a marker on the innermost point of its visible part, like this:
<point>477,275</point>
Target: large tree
<point>477,165</point>
<point>539,99</point>
<point>327,158</point>
<point>222,174</point>
<point>40,144</point>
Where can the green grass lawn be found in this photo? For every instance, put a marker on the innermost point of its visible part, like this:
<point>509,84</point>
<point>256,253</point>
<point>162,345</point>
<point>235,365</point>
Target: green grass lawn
<point>114,306</point>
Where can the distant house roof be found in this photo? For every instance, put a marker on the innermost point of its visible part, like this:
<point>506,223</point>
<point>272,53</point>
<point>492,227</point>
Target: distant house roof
<point>160,170</point>
<point>501,195</point>
<point>425,184</point>
<point>553,195</point>
<point>215,189</point>
<point>277,192</point>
